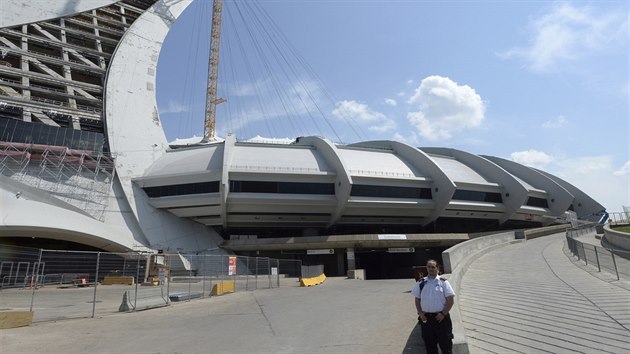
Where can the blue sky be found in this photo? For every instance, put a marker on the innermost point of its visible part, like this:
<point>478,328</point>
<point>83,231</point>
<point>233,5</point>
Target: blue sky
<point>542,83</point>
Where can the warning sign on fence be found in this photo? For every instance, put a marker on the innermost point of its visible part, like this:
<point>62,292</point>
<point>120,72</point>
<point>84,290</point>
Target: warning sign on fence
<point>231,265</point>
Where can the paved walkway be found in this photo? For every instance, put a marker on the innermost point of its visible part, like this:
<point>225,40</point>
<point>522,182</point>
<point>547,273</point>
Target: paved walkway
<point>526,297</point>
<point>530,298</point>
<point>339,316</point>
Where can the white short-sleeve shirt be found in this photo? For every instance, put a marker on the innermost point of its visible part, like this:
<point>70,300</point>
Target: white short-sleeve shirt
<point>434,294</point>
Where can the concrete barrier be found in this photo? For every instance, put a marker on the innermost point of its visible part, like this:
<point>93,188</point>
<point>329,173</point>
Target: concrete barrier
<point>545,231</point>
<point>313,281</point>
<point>356,274</point>
<point>144,298</point>
<point>224,287</point>
<point>456,260</point>
<point>13,319</point>
<point>454,255</point>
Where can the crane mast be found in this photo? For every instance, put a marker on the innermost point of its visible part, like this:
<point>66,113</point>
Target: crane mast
<point>213,73</point>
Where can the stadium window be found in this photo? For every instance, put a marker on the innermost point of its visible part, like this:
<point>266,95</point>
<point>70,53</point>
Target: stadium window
<point>537,202</point>
<point>182,189</point>
<point>363,190</point>
<point>477,196</point>
<point>281,187</point>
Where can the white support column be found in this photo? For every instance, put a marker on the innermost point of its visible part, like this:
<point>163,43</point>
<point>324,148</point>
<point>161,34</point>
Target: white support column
<point>351,258</point>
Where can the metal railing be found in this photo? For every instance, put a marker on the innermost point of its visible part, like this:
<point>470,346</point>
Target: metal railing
<point>69,284</point>
<point>615,262</point>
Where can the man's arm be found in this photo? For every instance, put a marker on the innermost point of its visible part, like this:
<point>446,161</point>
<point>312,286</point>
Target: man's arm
<point>421,315</point>
<point>450,301</point>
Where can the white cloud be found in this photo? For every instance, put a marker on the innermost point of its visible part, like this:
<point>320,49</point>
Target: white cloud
<point>532,158</point>
<point>624,170</point>
<point>391,102</point>
<point>559,122</point>
<point>409,82</point>
<point>361,113</point>
<point>594,175</point>
<point>445,108</point>
<point>174,107</point>
<point>567,33</point>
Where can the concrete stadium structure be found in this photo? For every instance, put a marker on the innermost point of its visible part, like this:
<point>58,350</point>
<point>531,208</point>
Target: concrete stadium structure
<point>84,158</point>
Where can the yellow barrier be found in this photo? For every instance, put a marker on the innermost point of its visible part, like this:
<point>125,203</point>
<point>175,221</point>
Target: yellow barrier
<point>224,287</point>
<point>117,279</point>
<point>13,319</point>
<point>313,281</point>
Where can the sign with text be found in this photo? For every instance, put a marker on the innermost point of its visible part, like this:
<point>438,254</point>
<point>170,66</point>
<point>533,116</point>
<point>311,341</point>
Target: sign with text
<point>231,265</point>
<point>324,251</point>
<point>401,250</point>
<point>392,237</point>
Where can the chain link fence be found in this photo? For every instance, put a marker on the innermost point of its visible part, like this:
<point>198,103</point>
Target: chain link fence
<point>59,285</point>
<point>616,263</point>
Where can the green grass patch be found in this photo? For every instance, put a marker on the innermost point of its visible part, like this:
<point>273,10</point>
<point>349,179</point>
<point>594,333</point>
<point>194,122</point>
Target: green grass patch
<point>622,228</point>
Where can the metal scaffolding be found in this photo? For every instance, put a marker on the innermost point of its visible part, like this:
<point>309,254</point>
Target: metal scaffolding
<point>79,177</point>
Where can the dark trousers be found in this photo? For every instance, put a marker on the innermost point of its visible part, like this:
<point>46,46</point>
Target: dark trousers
<point>436,333</point>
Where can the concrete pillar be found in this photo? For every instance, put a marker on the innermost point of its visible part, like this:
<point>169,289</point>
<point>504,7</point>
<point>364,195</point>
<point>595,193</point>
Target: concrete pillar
<point>350,257</point>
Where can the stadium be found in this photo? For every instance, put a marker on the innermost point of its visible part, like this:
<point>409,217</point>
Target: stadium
<point>85,163</point>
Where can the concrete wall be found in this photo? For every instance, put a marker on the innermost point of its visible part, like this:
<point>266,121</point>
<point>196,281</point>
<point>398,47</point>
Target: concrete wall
<point>453,256</point>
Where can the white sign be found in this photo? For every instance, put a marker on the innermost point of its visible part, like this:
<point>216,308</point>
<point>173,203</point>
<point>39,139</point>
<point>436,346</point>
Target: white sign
<point>401,250</point>
<point>392,237</point>
<point>274,271</point>
<point>324,251</point>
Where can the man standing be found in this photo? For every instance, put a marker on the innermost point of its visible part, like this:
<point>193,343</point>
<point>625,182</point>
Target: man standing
<point>434,298</point>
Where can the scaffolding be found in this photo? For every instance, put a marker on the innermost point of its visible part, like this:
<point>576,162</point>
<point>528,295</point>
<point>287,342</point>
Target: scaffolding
<point>81,178</point>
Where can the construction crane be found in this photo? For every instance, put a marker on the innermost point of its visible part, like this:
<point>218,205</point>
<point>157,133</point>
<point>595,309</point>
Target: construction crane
<point>213,73</point>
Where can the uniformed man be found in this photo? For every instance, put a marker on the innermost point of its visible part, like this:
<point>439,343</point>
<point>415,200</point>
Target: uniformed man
<point>434,298</point>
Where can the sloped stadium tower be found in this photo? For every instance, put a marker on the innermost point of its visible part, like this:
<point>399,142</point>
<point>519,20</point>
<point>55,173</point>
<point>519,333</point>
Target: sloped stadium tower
<point>84,159</point>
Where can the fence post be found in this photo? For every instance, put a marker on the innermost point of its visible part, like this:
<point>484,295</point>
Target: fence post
<point>203,276</point>
<point>39,260</point>
<point>615,263</point>
<point>247,275</point>
<point>256,285</point>
<point>135,296</point>
<point>98,260</point>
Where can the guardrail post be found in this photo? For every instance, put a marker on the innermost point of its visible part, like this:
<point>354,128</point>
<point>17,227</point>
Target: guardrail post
<point>597,258</point>
<point>584,251</point>
<point>615,263</point>
<point>98,260</point>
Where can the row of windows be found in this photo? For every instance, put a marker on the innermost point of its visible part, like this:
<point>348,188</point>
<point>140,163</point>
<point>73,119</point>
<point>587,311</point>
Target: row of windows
<point>362,190</point>
<point>18,131</point>
<point>358,190</point>
<point>182,189</point>
<point>282,187</point>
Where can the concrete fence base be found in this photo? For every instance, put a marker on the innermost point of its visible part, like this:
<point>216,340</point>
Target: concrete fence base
<point>224,287</point>
<point>13,319</point>
<point>145,298</point>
